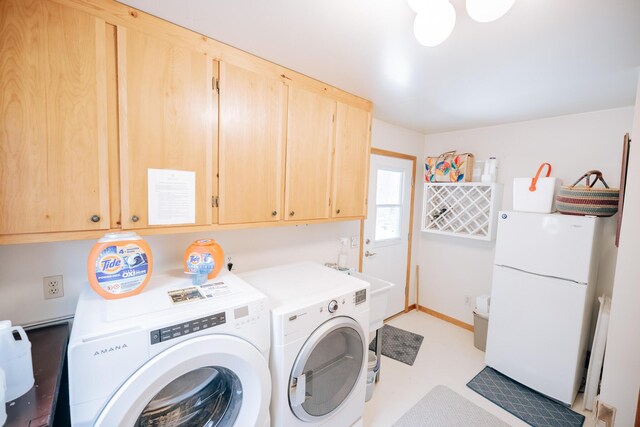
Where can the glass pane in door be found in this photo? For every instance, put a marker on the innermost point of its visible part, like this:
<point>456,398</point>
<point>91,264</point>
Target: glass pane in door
<point>205,397</point>
<point>388,222</point>
<point>331,370</point>
<point>389,187</point>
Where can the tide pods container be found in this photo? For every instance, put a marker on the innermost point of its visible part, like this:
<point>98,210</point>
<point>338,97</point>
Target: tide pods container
<point>119,265</point>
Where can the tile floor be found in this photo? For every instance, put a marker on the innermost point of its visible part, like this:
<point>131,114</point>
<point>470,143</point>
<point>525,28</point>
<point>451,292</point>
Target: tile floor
<point>447,357</point>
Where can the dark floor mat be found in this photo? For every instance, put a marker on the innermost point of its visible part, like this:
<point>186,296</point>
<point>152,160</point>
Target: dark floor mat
<point>399,344</point>
<point>526,404</point>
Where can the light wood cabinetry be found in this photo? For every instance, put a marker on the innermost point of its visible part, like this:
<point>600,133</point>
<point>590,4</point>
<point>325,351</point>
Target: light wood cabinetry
<point>166,120</point>
<point>252,117</point>
<point>310,135</point>
<point>94,93</point>
<point>53,145</point>
<point>351,162</point>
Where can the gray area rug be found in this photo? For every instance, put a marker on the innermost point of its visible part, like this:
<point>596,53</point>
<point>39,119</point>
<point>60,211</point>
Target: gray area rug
<point>399,344</point>
<point>443,407</point>
<point>526,404</point>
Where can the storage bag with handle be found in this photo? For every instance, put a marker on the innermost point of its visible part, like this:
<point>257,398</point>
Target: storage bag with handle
<point>535,194</point>
<point>449,167</point>
<point>587,200</point>
<point>437,167</point>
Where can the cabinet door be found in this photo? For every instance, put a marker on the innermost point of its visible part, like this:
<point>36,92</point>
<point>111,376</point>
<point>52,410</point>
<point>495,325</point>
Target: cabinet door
<point>166,122</point>
<point>251,146</point>
<point>53,146</point>
<point>310,132</point>
<point>351,162</point>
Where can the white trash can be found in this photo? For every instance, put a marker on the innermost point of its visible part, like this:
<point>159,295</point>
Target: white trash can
<point>480,328</point>
<point>372,370</point>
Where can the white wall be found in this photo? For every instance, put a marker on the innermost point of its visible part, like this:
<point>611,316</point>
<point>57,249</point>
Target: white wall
<point>452,267</point>
<point>23,266</point>
<point>621,375</point>
<point>394,138</point>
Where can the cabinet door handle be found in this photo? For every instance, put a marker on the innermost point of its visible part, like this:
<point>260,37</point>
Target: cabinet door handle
<point>95,218</point>
<point>135,218</point>
<point>367,253</point>
<point>337,211</point>
<point>274,213</point>
<point>292,213</point>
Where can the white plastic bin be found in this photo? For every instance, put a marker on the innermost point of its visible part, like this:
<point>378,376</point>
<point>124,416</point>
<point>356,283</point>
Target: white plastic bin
<point>542,200</point>
<point>372,370</point>
<point>480,327</point>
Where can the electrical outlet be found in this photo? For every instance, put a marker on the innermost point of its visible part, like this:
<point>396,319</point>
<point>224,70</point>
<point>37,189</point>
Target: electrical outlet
<point>53,287</point>
<point>467,300</point>
<point>355,242</point>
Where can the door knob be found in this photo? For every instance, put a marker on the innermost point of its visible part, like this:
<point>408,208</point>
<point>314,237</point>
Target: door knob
<point>135,218</point>
<point>274,213</point>
<point>95,218</point>
<point>368,241</point>
<point>367,253</point>
<point>292,213</point>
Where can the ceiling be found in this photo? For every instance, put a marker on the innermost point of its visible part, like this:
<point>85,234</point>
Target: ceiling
<point>544,58</point>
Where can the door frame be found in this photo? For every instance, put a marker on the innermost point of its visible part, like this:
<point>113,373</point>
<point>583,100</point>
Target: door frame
<point>413,159</point>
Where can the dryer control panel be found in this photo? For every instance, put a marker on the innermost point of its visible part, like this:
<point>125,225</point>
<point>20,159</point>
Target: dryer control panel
<point>181,329</point>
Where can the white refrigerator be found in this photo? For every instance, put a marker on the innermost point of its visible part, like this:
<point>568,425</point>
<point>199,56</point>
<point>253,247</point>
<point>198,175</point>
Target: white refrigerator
<point>541,300</point>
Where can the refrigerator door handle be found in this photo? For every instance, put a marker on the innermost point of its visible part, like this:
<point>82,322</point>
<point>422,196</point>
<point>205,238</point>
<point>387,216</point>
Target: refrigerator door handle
<point>540,275</point>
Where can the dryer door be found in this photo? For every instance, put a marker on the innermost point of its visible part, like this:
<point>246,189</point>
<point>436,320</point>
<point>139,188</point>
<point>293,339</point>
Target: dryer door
<point>327,369</point>
<point>214,380</point>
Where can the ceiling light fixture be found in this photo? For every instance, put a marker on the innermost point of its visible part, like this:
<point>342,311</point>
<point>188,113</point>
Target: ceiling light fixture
<point>434,22</point>
<point>488,10</point>
<point>435,19</point>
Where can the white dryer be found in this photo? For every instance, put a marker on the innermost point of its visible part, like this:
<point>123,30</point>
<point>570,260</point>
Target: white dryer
<point>319,340</point>
<point>174,355</point>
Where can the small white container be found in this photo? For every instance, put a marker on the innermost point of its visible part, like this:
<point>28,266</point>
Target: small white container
<point>371,375</point>
<point>15,360</point>
<point>542,200</point>
<point>3,388</point>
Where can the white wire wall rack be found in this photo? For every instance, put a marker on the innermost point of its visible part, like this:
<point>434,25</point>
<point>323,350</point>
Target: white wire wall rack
<point>461,209</point>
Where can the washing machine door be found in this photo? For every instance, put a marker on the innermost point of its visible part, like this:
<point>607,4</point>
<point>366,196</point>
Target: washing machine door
<point>327,369</point>
<point>210,381</point>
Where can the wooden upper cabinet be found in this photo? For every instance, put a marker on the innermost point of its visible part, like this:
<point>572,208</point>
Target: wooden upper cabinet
<point>167,120</point>
<point>351,162</point>
<point>252,117</point>
<point>53,145</point>
<point>310,134</point>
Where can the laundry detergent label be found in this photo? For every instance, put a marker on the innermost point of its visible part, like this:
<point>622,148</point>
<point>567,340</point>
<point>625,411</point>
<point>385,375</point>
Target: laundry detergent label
<point>200,262</point>
<point>121,268</point>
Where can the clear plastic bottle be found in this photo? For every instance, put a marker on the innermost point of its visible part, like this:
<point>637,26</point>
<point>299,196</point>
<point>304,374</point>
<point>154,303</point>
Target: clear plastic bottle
<point>344,253</point>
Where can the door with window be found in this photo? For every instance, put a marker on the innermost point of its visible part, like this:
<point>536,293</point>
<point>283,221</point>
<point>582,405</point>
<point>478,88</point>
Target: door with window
<point>388,225</point>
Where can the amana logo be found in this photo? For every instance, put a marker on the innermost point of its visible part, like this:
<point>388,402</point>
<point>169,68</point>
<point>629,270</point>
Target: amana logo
<point>110,349</point>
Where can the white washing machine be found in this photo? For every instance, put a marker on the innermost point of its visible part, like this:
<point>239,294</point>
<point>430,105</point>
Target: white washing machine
<point>174,355</point>
<point>319,340</point>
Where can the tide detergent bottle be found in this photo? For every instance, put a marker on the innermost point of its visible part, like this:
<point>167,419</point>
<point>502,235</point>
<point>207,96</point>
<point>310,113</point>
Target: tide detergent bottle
<point>119,265</point>
<point>203,259</point>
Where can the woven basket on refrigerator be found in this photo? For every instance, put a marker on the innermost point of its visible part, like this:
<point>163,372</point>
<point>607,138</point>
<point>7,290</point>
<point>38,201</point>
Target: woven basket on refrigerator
<point>586,200</point>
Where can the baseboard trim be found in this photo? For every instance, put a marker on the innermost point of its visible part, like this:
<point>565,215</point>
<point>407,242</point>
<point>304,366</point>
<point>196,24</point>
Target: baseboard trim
<point>446,318</point>
<point>408,309</point>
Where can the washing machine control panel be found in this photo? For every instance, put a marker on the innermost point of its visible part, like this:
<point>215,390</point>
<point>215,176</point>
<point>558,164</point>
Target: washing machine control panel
<point>181,329</point>
<point>360,296</point>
